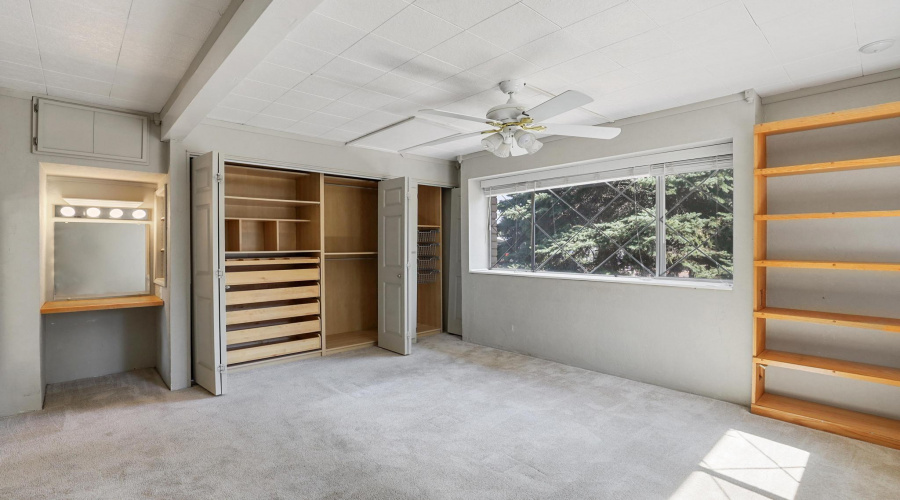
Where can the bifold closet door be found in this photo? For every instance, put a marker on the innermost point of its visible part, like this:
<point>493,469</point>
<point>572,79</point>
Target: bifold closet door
<point>207,268</point>
<point>397,216</point>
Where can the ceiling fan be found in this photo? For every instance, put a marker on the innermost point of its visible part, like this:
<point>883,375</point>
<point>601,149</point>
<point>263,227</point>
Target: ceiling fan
<point>514,126</point>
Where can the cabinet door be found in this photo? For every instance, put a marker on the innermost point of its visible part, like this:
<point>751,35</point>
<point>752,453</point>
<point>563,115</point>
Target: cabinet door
<point>208,271</point>
<point>397,218</point>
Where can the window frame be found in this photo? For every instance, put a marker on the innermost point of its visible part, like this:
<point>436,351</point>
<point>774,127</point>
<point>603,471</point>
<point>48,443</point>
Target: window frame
<point>661,244</point>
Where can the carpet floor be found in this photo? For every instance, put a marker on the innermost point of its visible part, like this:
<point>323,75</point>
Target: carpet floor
<point>452,421</point>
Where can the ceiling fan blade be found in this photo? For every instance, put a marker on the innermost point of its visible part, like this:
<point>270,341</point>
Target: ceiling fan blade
<point>452,138</point>
<point>450,114</point>
<point>567,101</point>
<point>586,131</point>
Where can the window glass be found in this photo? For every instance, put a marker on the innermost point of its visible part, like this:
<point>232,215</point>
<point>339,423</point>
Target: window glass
<point>611,227</point>
<point>699,220</point>
<point>510,227</point>
<point>604,228</point>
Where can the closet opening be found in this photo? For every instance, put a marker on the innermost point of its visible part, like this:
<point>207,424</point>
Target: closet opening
<point>430,251</point>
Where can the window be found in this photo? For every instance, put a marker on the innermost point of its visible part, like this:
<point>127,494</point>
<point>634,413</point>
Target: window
<point>674,221</point>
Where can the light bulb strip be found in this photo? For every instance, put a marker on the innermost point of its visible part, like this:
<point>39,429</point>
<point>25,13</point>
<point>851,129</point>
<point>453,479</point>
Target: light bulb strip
<point>102,213</point>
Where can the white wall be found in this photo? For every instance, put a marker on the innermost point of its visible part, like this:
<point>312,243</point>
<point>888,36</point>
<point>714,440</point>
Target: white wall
<point>21,385</point>
<point>694,340</point>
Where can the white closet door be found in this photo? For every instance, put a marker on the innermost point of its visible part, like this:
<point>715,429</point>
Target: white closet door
<point>208,269</point>
<point>397,219</point>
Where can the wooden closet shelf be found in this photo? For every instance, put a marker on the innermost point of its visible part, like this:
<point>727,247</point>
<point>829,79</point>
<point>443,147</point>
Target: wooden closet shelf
<point>247,201</point>
<point>273,350</point>
<point>348,254</point>
<point>335,342</point>
<point>828,366</point>
<point>821,264</point>
<point>266,220</point>
<point>277,276</point>
<point>271,295</point>
<point>831,166</point>
<point>432,226</point>
<point>66,306</point>
<point>242,316</point>
<point>273,332</point>
<point>263,172</point>
<point>826,318</point>
<point>830,215</point>
<point>233,253</point>
<point>271,261</point>
<point>847,117</point>
<point>871,428</point>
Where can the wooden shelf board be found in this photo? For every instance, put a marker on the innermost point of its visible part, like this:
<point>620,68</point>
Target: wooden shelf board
<point>337,342</point>
<point>828,366</point>
<point>263,172</point>
<point>273,332</point>
<point>66,306</point>
<point>871,428</point>
<point>821,264</point>
<point>826,318</point>
<point>247,201</point>
<point>830,215</point>
<point>847,117</point>
<point>431,226</point>
<point>266,220</point>
<point>232,253</point>
<point>242,355</point>
<point>348,254</point>
<point>832,166</point>
<point>271,261</point>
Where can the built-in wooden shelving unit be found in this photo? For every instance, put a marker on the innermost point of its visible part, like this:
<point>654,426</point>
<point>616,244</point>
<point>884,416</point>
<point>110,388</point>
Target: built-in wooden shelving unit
<point>429,308</point>
<point>351,263</point>
<point>273,273</point>
<point>849,423</point>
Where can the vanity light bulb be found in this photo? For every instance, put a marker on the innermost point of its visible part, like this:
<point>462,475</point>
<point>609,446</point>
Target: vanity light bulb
<point>67,212</point>
<point>116,213</point>
<point>139,214</point>
<point>93,212</point>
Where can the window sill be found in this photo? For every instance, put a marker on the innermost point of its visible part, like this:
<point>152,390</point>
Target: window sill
<point>678,283</point>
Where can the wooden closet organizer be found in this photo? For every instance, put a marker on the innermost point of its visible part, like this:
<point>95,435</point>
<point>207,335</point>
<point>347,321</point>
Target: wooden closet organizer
<point>284,295</point>
<point>429,308</point>
<point>875,429</point>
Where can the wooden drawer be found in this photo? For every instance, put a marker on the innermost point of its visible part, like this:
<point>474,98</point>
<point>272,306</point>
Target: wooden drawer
<point>272,350</point>
<point>278,276</point>
<point>273,332</point>
<point>271,295</point>
<point>271,313</point>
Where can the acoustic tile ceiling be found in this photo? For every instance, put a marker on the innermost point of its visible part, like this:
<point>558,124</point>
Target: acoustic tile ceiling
<point>123,53</point>
<point>355,66</point>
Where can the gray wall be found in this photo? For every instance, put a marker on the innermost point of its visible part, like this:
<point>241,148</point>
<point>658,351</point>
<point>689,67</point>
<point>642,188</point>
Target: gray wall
<point>698,341</point>
<point>81,345</point>
<point>693,340</point>
<point>21,384</point>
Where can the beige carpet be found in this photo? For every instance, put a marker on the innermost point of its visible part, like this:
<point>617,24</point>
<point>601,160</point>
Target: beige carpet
<point>454,420</point>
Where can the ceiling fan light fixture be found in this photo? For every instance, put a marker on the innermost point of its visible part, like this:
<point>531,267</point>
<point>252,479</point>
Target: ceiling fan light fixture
<point>525,138</point>
<point>492,142</point>
<point>534,147</point>
<point>503,150</point>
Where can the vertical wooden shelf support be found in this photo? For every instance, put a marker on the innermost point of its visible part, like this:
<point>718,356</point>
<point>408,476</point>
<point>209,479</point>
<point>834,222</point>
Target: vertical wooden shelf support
<point>879,430</point>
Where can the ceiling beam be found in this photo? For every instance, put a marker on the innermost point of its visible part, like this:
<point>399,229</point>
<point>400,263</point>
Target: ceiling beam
<point>245,35</point>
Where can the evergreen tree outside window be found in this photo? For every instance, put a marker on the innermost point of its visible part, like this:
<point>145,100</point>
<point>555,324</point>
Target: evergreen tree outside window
<point>672,226</point>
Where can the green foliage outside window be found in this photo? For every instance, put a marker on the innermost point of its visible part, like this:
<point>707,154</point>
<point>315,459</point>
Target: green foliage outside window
<point>610,228</point>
